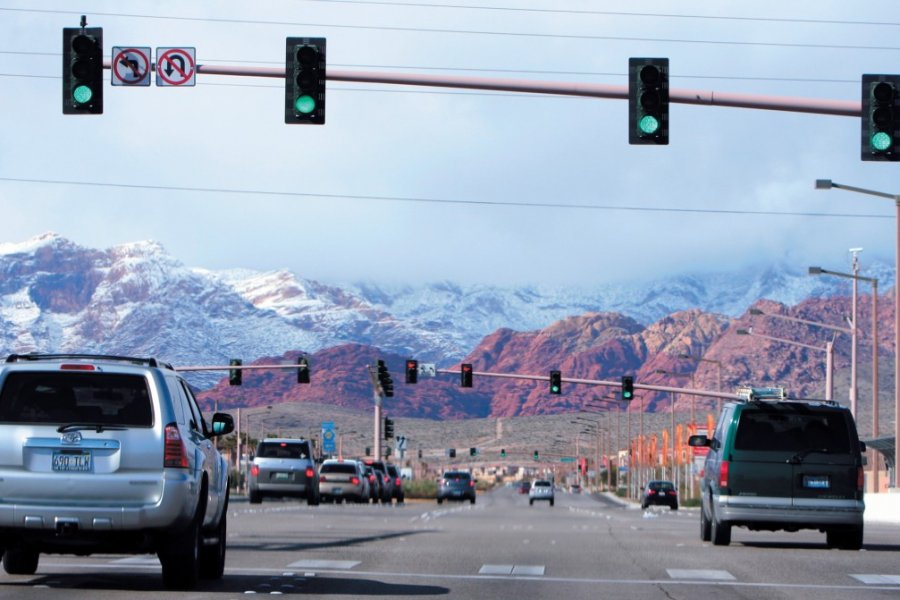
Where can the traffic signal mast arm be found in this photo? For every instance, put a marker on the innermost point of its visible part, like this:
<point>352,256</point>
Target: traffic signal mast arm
<point>844,108</point>
<point>615,384</point>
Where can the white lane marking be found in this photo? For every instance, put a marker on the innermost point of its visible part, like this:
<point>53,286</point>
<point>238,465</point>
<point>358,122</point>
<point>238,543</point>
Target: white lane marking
<point>495,570</point>
<point>877,579</point>
<point>524,570</point>
<point>700,574</point>
<point>323,564</point>
<point>528,570</point>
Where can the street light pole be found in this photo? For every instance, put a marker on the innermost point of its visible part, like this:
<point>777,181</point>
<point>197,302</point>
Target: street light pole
<point>828,349</point>
<point>826,184</point>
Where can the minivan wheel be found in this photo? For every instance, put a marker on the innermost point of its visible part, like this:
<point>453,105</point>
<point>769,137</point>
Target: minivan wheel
<point>720,532</point>
<point>845,539</point>
<point>20,561</point>
<point>705,526</point>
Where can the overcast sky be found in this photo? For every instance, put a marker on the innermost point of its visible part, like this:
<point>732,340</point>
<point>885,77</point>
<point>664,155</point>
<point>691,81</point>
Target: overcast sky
<point>333,202</point>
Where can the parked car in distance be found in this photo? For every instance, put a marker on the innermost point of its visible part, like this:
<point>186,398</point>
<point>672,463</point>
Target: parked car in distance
<point>341,480</point>
<point>375,483</point>
<point>660,493</point>
<point>776,463</point>
<point>394,473</point>
<point>283,467</point>
<point>456,485</point>
<point>541,489</point>
<point>524,486</point>
<point>108,454</point>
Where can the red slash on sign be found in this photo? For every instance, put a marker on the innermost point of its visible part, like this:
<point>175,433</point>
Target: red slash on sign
<point>175,66</point>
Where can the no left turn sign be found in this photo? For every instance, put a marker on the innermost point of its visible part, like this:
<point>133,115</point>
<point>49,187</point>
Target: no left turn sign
<point>176,66</point>
<point>130,66</point>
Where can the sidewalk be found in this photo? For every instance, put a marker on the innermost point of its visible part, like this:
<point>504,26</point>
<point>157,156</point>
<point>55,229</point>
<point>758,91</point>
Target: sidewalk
<point>883,508</point>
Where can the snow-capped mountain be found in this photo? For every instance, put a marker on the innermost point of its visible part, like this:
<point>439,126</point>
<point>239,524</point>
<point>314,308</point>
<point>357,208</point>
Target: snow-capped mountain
<point>56,296</point>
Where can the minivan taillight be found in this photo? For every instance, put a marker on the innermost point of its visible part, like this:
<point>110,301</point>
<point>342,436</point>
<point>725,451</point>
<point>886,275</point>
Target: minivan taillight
<point>310,473</point>
<point>723,474</point>
<point>175,453</point>
<point>354,481</point>
<point>860,479</point>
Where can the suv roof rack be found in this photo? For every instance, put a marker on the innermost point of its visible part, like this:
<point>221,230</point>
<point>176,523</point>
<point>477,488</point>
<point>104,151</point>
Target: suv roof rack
<point>755,394</point>
<point>150,362</point>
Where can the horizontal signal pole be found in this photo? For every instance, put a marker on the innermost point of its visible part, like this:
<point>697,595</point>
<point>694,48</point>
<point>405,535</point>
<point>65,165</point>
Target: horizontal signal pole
<point>236,367</point>
<point>615,384</point>
<point>842,108</point>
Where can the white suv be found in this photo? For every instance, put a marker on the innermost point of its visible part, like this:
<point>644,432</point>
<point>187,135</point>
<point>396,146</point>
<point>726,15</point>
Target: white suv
<point>109,454</point>
<point>541,490</point>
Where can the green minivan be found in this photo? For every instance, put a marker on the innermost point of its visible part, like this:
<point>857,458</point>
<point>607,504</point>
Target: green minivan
<point>783,464</point>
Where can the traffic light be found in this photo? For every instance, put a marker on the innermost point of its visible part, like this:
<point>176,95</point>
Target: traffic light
<point>648,101</point>
<point>368,451</point>
<point>473,451</point>
<point>880,117</point>
<point>451,452</point>
<point>384,379</point>
<point>420,453</point>
<point>555,382</point>
<point>465,375</point>
<point>304,81</point>
<point>388,428</point>
<point>412,371</point>
<point>235,375</point>
<point>627,387</point>
<point>302,370</point>
<point>537,455</point>
<point>82,70</point>
<point>502,452</point>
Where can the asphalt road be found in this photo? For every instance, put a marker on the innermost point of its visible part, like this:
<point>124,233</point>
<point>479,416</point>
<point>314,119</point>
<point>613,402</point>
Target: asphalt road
<point>499,548</point>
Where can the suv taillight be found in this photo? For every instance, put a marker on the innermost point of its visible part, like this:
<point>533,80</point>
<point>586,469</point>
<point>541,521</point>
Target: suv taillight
<point>723,474</point>
<point>310,473</point>
<point>397,482</point>
<point>354,481</point>
<point>860,479</point>
<point>321,478</point>
<point>175,453</point>
<point>254,470</point>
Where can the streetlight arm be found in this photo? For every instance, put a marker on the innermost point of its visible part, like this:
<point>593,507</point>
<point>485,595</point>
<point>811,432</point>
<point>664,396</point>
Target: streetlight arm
<point>804,321</point>
<point>777,339</point>
<point>824,184</point>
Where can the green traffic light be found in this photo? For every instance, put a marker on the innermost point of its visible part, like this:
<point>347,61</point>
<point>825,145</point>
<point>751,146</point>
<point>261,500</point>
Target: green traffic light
<point>881,141</point>
<point>305,104</point>
<point>82,94</point>
<point>648,124</point>
<point>555,389</point>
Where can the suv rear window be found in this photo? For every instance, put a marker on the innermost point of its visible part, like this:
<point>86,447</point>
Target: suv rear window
<point>338,468</point>
<point>792,430</point>
<point>66,397</point>
<point>457,475</point>
<point>282,450</point>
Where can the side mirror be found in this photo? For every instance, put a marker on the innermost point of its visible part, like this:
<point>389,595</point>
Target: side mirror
<point>699,441</point>
<point>222,424</point>
<point>862,446</point>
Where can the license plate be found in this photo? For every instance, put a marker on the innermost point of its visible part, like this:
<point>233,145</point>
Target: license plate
<point>73,462</point>
<point>337,491</point>
<point>816,482</point>
<point>282,476</point>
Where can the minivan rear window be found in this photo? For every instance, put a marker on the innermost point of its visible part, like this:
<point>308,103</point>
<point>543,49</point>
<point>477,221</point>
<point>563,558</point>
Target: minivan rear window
<point>44,397</point>
<point>793,431</point>
<point>282,450</point>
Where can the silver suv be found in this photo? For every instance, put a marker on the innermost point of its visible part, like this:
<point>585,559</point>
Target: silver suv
<point>109,454</point>
<point>284,467</point>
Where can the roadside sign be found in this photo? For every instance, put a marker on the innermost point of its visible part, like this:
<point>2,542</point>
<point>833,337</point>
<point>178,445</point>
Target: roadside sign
<point>176,66</point>
<point>401,443</point>
<point>427,369</point>
<point>130,66</point>
<point>328,437</point>
<point>567,459</point>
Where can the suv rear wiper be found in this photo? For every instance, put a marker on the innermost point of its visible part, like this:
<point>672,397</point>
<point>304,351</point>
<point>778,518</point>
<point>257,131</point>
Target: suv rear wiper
<point>798,458</point>
<point>98,427</point>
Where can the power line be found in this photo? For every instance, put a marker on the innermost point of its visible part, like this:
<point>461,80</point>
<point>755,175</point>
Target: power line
<point>608,13</point>
<point>467,32</point>
<point>420,200</point>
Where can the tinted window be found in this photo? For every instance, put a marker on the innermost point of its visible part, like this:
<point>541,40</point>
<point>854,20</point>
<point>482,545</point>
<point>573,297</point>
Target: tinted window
<point>661,485</point>
<point>792,430</point>
<point>542,484</point>
<point>338,468</point>
<point>456,476</point>
<point>282,450</point>
<point>67,397</point>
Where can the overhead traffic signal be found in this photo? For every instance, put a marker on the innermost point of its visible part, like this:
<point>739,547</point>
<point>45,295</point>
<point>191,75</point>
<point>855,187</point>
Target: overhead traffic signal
<point>451,452</point>
<point>235,376</point>
<point>473,451</point>
<point>648,101</point>
<point>412,371</point>
<point>555,382</point>
<point>388,428</point>
<point>880,117</point>
<point>627,387</point>
<point>502,452</point>
<point>302,370</point>
<point>465,375</point>
<point>82,70</point>
<point>384,379</point>
<point>537,455</point>
<point>304,81</point>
